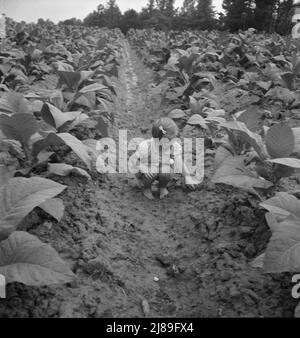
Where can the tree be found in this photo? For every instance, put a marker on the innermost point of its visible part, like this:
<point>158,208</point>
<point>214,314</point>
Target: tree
<point>100,9</point>
<point>197,14</point>
<point>263,13</point>
<point>112,14</point>
<point>160,5</point>
<point>158,14</point>
<point>285,12</point>
<point>161,14</point>
<point>220,21</point>
<point>93,19</point>
<point>239,14</point>
<point>188,7</point>
<point>71,22</point>
<point>106,16</point>
<point>150,6</point>
<point>147,13</point>
<point>205,14</point>
<point>169,8</point>
<point>187,14</point>
<point>129,20</point>
<point>160,20</point>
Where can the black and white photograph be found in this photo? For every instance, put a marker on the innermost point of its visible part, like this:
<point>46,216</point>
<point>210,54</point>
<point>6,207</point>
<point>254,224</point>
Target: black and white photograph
<point>150,161</point>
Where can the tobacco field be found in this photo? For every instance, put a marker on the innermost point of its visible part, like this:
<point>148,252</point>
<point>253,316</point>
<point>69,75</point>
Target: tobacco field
<point>78,243</point>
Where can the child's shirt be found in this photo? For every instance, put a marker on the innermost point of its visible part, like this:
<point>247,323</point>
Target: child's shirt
<point>150,159</point>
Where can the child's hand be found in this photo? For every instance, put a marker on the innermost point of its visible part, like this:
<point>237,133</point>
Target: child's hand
<point>191,182</point>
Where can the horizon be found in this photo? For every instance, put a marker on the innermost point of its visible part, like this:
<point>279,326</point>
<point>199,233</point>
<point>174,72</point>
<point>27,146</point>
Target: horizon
<point>61,10</point>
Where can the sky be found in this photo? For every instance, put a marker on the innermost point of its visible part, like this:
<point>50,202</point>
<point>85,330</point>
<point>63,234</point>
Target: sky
<point>57,10</point>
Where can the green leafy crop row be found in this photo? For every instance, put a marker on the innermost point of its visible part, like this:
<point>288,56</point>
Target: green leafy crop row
<point>38,125</point>
<point>242,93</point>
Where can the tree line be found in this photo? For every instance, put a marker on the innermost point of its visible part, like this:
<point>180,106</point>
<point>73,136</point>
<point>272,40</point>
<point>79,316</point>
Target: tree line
<point>263,15</point>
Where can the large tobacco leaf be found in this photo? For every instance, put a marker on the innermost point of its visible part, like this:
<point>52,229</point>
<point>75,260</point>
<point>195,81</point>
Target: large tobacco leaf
<point>283,218</point>
<point>71,79</point>
<point>247,136</point>
<point>11,103</point>
<point>77,146</point>
<point>92,88</point>
<point>252,118</point>
<point>6,172</point>
<point>62,169</point>
<point>63,138</point>
<point>20,196</point>
<point>221,154</point>
<point>54,207</point>
<point>280,93</point>
<point>195,106</point>
<point>232,171</point>
<point>289,162</point>
<point>197,120</point>
<point>289,80</point>
<point>25,259</point>
<point>56,118</point>
<point>280,140</point>
<point>19,127</point>
<point>177,114</point>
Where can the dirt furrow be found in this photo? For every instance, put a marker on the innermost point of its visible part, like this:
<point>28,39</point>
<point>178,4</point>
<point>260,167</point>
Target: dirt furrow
<point>147,233</point>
